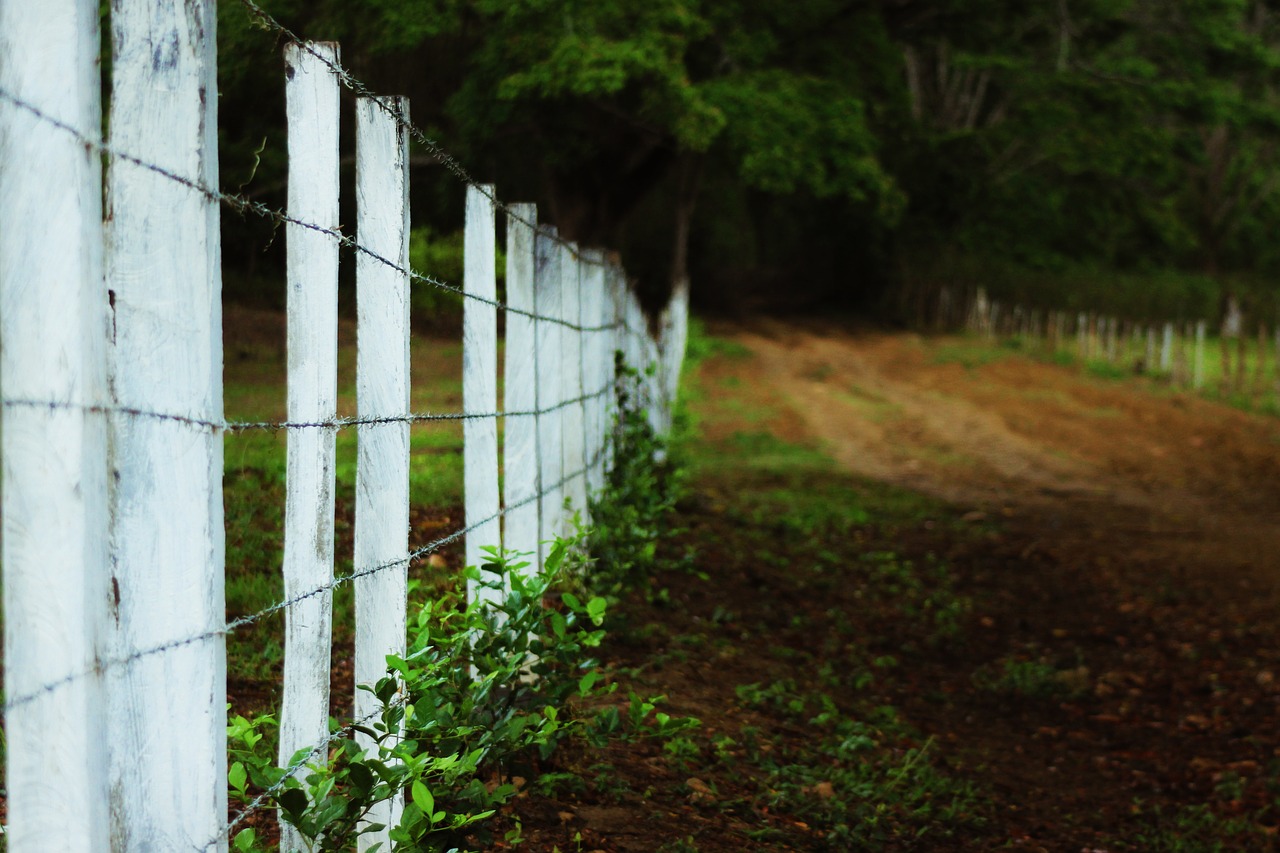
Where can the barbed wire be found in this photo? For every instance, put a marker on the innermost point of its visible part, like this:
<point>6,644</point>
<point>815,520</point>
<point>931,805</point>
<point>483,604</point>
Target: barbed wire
<point>362,90</point>
<point>243,205</point>
<point>412,557</point>
<point>277,426</point>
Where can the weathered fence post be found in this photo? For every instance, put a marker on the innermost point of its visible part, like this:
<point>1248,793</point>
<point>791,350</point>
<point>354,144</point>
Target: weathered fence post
<point>546,299</point>
<point>615,307</point>
<point>652,376</point>
<point>1260,367</point>
<point>520,392</point>
<point>1197,376</point>
<point>675,339</point>
<point>594,353</point>
<point>1276,353</point>
<point>1166,348</point>
<point>53,337</point>
<point>1181,365</point>
<point>382,391</point>
<point>167,710</point>
<point>312,103</point>
<point>571,375</point>
<point>480,386</point>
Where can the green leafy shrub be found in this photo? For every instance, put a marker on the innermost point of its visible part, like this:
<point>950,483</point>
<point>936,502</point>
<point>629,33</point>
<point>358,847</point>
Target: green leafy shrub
<point>637,506</point>
<point>480,690</point>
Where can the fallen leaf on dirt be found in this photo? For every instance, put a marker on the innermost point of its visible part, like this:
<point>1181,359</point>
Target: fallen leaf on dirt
<point>701,791</point>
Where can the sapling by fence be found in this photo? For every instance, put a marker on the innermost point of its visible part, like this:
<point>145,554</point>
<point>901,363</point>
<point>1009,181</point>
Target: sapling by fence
<point>141,666</point>
<point>479,688</point>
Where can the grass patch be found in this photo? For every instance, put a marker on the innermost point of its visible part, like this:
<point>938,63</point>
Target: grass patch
<point>970,353</point>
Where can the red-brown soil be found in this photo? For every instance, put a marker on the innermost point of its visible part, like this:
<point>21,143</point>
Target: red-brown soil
<point>1122,537</point>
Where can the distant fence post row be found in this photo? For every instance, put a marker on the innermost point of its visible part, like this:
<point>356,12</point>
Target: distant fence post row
<point>111,368</point>
<point>1179,352</point>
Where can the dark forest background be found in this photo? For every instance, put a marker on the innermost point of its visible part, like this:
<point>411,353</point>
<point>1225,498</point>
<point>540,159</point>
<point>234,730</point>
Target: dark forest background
<point>1100,154</point>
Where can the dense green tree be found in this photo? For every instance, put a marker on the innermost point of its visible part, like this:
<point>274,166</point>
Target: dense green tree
<point>835,142</point>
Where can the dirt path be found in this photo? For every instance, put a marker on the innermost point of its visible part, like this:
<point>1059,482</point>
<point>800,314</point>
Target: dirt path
<point>1158,475</point>
<point>1083,628</point>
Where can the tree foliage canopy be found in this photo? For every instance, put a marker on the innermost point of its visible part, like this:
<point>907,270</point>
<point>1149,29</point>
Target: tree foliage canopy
<point>842,141</point>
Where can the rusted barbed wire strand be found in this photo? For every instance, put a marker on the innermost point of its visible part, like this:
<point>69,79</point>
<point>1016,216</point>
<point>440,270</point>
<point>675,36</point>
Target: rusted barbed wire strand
<point>243,205</point>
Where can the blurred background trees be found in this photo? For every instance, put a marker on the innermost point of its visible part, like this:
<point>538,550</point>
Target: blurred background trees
<point>818,152</point>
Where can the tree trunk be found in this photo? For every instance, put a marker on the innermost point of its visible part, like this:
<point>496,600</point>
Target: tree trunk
<point>688,181</point>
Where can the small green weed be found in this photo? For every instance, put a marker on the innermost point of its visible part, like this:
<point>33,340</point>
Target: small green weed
<point>1031,679</point>
<point>1195,829</point>
<point>865,781</point>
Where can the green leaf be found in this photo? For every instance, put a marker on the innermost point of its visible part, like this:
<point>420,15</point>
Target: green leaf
<point>587,682</point>
<point>596,608</point>
<point>294,802</point>
<point>238,777</point>
<point>572,601</point>
<point>245,839</point>
<point>422,797</point>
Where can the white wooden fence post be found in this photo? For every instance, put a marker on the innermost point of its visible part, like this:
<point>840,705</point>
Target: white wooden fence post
<point>167,710</point>
<point>53,327</point>
<point>594,353</point>
<point>1166,348</point>
<point>653,379</point>
<point>1276,352</point>
<point>546,299</point>
<point>636,329</point>
<point>571,371</point>
<point>520,392</point>
<point>312,105</point>
<point>382,391</point>
<point>675,331</point>
<point>480,386</point>
<point>615,285</point>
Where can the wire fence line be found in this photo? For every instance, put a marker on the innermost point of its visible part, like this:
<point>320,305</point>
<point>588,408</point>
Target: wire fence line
<point>612,321</point>
<point>281,426</point>
<point>414,556</point>
<point>244,205</point>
